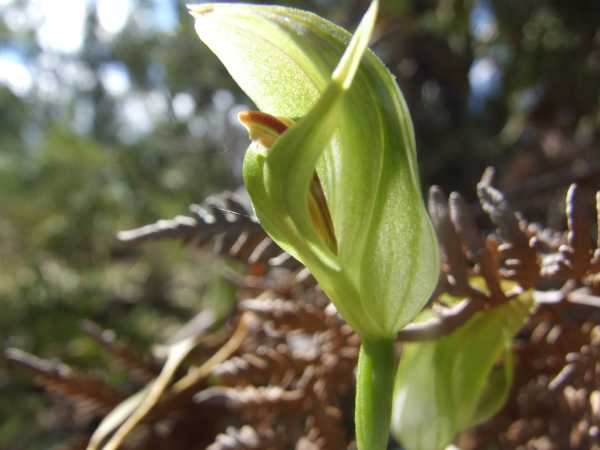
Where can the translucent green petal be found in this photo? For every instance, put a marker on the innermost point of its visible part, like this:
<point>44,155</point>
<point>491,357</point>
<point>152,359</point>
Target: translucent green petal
<point>270,52</point>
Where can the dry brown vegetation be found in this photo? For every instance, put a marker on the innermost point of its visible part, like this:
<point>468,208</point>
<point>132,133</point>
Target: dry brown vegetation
<point>279,372</point>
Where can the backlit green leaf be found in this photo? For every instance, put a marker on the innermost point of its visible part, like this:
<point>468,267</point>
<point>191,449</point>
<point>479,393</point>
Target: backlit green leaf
<point>458,381</point>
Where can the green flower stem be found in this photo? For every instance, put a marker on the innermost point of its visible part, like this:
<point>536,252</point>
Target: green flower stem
<point>374,388</point>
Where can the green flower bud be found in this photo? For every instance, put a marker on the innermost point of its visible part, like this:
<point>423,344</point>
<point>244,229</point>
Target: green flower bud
<point>337,188</point>
<point>454,383</point>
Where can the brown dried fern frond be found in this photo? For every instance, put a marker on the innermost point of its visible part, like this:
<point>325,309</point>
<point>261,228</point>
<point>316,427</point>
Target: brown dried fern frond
<point>223,220</point>
<point>218,215</point>
<point>141,367</point>
<point>88,390</point>
<point>248,438</point>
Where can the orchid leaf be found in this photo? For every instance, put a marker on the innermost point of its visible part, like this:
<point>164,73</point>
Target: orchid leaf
<point>458,381</point>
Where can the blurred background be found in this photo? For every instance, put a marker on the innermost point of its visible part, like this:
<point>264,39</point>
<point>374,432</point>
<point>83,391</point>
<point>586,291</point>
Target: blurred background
<point>113,115</point>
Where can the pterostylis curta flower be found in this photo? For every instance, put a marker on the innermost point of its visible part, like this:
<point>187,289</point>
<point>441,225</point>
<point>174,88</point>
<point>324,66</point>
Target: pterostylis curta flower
<point>332,174</point>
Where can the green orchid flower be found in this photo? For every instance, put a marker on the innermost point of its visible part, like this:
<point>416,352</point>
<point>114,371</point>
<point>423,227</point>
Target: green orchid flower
<point>332,174</point>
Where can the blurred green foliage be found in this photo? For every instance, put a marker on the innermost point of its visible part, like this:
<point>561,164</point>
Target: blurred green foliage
<point>508,83</point>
